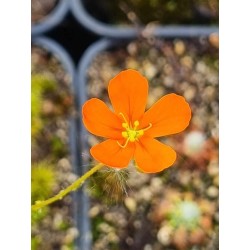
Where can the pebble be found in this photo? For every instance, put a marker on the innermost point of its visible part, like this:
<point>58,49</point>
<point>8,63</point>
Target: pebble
<point>213,192</point>
<point>209,93</point>
<point>184,177</point>
<point>187,61</point>
<point>156,185</point>
<point>148,247</point>
<point>131,63</point>
<point>164,235</point>
<point>168,81</point>
<point>48,107</point>
<point>112,237</point>
<point>132,48</point>
<point>201,67</point>
<point>130,204</point>
<point>216,181</point>
<point>64,164</point>
<point>190,93</point>
<point>57,220</point>
<point>179,47</point>
<point>94,211</point>
<point>105,228</point>
<point>72,233</point>
<point>213,168</point>
<point>145,194</point>
<point>62,134</point>
<point>214,40</point>
<point>149,69</point>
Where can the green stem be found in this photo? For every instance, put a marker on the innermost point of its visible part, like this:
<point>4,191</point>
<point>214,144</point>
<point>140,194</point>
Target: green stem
<point>75,185</point>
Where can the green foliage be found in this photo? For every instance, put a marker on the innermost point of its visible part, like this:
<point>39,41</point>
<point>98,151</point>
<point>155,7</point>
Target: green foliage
<point>42,181</point>
<point>185,213</point>
<point>35,242</point>
<point>37,216</point>
<point>58,147</point>
<point>96,221</point>
<point>63,226</point>
<point>40,85</point>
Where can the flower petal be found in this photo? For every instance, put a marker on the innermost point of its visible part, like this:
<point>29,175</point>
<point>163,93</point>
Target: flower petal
<point>151,156</point>
<point>112,155</point>
<point>128,93</point>
<point>170,115</point>
<point>100,120</point>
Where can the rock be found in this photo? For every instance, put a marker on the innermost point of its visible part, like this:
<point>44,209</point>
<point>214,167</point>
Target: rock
<point>145,194</point>
<point>213,168</point>
<point>149,69</point>
<point>48,107</point>
<point>164,235</point>
<point>190,93</point>
<point>187,61</point>
<point>94,211</point>
<point>105,228</point>
<point>130,204</point>
<point>179,47</point>
<point>212,192</point>
<point>148,247</point>
<point>156,185</point>
<point>214,40</point>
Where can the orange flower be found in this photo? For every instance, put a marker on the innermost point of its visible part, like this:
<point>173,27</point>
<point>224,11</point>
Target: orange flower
<point>129,129</point>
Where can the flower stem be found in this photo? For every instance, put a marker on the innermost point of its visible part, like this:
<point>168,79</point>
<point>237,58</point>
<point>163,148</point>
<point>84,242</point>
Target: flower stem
<point>75,185</point>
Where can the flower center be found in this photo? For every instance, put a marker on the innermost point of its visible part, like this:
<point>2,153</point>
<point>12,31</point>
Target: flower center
<point>131,134</point>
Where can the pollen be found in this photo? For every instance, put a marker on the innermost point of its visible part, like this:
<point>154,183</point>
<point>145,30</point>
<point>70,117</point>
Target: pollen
<point>132,134</point>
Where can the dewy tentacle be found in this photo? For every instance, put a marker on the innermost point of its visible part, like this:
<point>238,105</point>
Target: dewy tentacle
<point>131,134</point>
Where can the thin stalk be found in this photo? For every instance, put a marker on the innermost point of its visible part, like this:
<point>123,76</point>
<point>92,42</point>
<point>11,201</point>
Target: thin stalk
<point>75,185</point>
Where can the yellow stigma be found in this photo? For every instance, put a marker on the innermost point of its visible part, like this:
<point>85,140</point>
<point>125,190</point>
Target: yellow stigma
<point>132,134</point>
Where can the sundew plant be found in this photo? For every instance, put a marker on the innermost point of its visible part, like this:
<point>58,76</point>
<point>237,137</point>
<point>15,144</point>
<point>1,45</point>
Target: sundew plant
<point>129,130</point>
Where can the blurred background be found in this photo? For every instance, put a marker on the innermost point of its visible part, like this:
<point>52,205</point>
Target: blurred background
<point>176,209</point>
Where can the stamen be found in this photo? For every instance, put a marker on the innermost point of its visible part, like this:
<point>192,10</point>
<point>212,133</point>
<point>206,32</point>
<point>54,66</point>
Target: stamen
<point>148,127</point>
<point>140,132</point>
<point>125,134</point>
<point>125,125</point>
<point>123,117</point>
<point>131,134</point>
<point>125,145</point>
<point>136,124</point>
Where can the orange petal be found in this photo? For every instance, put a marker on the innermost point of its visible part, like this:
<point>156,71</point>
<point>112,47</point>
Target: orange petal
<point>151,156</point>
<point>112,155</point>
<point>128,93</point>
<point>170,115</point>
<point>100,120</point>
